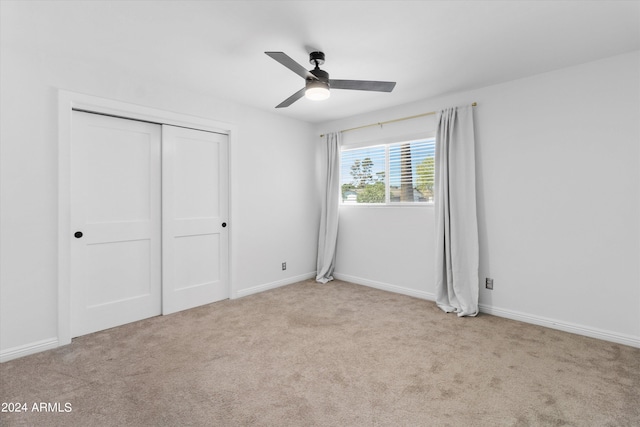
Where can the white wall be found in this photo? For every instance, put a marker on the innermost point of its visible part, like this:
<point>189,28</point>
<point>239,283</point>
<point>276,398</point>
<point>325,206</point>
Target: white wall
<point>558,161</point>
<point>274,216</point>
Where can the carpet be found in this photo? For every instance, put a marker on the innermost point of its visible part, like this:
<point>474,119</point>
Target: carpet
<point>337,354</point>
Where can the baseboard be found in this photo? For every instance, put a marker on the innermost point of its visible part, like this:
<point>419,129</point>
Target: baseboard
<point>508,314</point>
<point>27,349</point>
<point>273,285</point>
<point>385,286</point>
<point>562,326</point>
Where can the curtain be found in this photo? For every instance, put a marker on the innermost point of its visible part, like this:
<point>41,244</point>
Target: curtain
<point>457,252</point>
<point>328,233</point>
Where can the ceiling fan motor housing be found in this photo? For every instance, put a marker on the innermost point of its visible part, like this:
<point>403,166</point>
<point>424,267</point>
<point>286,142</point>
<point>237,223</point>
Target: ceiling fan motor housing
<point>322,75</point>
<point>322,82</point>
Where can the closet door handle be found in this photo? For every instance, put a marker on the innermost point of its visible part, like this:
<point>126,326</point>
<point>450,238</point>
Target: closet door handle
<point>77,234</point>
<point>224,224</point>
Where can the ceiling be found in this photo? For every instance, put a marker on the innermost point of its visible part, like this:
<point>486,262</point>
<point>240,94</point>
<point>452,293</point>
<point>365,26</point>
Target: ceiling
<point>429,48</point>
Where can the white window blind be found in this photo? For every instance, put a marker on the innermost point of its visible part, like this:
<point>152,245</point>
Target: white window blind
<point>411,168</point>
<point>396,173</point>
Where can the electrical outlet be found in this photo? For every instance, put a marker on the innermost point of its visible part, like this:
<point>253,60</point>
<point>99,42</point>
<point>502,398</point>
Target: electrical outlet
<point>284,265</point>
<point>488,283</point>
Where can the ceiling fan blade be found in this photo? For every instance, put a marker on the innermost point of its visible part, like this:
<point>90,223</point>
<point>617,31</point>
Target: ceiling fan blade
<point>362,85</point>
<point>285,60</point>
<point>293,98</point>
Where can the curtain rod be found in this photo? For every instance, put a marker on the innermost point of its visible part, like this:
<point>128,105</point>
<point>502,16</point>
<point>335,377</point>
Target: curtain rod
<point>430,113</point>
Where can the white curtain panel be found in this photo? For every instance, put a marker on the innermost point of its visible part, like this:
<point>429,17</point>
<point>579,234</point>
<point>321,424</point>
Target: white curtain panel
<point>328,233</point>
<point>457,253</point>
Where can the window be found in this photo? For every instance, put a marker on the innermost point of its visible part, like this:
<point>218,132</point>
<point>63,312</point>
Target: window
<point>396,173</point>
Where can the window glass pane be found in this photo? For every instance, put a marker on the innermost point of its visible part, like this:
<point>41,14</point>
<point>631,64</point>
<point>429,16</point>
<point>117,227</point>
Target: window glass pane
<point>362,175</point>
<point>411,171</point>
<point>394,173</point>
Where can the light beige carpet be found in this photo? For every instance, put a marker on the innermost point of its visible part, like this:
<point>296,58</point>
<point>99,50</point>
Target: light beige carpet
<point>327,355</point>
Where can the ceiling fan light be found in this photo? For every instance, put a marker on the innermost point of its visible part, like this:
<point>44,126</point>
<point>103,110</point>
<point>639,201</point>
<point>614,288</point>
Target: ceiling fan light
<point>317,91</point>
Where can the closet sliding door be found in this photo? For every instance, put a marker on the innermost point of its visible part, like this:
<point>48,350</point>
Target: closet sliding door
<point>115,222</point>
<point>195,200</point>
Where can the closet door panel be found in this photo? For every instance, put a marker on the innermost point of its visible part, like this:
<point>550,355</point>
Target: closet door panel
<point>116,222</point>
<point>195,214</point>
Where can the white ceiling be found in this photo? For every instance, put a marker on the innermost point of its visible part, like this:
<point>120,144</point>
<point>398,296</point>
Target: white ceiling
<point>429,48</point>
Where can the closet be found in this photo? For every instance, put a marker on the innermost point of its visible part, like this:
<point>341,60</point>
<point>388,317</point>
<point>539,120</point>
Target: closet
<point>148,218</point>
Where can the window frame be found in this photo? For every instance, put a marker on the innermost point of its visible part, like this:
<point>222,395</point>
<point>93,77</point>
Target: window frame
<point>386,143</point>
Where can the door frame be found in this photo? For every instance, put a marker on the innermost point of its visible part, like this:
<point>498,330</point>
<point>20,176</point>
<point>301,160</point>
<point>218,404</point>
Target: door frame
<point>69,101</point>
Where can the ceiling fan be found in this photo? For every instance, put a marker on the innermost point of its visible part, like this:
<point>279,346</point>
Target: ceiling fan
<point>318,82</point>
